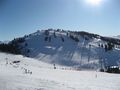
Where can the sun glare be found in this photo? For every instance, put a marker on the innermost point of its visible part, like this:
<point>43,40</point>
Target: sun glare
<point>94,2</point>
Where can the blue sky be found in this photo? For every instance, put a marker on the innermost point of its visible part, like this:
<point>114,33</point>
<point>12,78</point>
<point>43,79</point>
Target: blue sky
<point>20,17</point>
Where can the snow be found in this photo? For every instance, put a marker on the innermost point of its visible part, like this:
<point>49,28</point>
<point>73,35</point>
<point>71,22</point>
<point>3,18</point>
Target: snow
<point>5,42</point>
<point>69,52</point>
<point>117,37</point>
<point>44,77</point>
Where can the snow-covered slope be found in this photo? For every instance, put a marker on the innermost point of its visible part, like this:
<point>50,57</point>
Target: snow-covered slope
<point>31,74</point>
<point>59,48</point>
<point>5,42</point>
<point>118,36</point>
<point>0,42</point>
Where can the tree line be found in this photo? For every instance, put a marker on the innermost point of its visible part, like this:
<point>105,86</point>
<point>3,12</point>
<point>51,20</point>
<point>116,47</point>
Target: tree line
<point>13,46</point>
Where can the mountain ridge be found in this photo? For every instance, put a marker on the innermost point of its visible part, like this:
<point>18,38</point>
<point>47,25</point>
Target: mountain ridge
<point>71,48</point>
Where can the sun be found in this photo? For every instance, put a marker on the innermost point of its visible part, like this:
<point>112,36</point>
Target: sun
<point>94,2</point>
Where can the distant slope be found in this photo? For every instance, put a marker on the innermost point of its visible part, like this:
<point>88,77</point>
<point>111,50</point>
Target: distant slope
<point>118,37</point>
<point>5,42</point>
<point>76,49</point>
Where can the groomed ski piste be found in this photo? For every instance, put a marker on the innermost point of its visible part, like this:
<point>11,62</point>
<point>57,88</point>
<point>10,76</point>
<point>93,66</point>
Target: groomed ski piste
<point>31,74</point>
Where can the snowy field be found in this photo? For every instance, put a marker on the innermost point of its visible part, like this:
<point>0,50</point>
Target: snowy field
<point>31,74</point>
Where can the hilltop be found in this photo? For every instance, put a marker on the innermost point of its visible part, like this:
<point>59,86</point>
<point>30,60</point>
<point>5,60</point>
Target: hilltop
<point>77,49</point>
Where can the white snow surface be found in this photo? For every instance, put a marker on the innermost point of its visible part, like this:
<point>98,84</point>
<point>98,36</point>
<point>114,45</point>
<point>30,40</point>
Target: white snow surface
<point>118,36</point>
<point>44,77</point>
<point>69,52</point>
